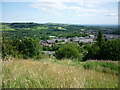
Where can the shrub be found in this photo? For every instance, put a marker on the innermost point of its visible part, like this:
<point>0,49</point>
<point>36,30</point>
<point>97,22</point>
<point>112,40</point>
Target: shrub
<point>102,66</point>
<point>70,51</point>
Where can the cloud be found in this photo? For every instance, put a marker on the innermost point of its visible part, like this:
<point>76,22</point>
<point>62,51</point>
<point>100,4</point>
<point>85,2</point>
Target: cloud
<point>79,6</point>
<point>80,15</point>
<point>87,15</point>
<point>60,6</point>
<point>90,3</point>
<point>49,6</point>
<point>58,14</point>
<point>111,14</point>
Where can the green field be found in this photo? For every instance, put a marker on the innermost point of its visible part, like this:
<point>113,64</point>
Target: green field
<point>42,28</point>
<point>51,73</point>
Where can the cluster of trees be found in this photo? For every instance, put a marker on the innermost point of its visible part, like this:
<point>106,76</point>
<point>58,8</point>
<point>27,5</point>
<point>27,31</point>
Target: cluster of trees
<point>23,25</point>
<point>101,50</point>
<point>104,49</point>
<point>24,48</point>
<point>41,34</point>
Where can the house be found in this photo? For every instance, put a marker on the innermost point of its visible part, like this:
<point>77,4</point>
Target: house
<point>91,36</point>
<point>49,52</point>
<point>87,40</point>
<point>49,43</point>
<point>111,36</point>
<point>52,36</point>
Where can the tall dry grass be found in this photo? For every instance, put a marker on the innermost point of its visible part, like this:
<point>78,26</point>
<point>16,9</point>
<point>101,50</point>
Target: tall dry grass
<point>45,74</point>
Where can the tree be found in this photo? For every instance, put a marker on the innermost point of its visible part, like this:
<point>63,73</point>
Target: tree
<point>7,48</point>
<point>93,52</point>
<point>111,50</point>
<point>70,51</point>
<point>28,47</point>
<point>99,38</point>
<point>56,41</point>
<point>24,48</point>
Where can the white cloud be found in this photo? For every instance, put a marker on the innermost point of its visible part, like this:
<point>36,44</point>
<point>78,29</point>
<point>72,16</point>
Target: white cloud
<point>80,15</point>
<point>49,6</point>
<point>58,14</point>
<point>59,6</point>
<point>87,15</point>
<point>81,6</point>
<point>90,3</point>
<point>111,14</point>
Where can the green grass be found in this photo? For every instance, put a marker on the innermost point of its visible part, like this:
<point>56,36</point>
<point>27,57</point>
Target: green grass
<point>106,67</point>
<point>6,28</point>
<point>82,29</point>
<point>50,73</point>
<point>42,28</point>
<point>60,28</point>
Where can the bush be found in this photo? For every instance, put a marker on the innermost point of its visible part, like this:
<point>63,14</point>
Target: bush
<point>102,66</point>
<point>70,51</point>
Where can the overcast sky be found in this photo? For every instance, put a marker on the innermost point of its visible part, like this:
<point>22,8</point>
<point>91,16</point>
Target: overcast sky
<point>60,11</point>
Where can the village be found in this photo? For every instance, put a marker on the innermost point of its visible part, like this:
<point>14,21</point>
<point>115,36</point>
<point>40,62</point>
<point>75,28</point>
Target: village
<point>62,40</point>
<point>91,39</point>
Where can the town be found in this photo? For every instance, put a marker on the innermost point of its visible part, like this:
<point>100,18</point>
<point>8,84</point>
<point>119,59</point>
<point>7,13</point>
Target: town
<point>63,40</point>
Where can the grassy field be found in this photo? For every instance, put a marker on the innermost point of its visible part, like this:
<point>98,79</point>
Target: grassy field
<point>50,73</point>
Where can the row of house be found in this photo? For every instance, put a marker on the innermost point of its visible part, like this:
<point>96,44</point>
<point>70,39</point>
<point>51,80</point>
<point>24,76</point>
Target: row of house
<point>111,36</point>
<point>49,43</point>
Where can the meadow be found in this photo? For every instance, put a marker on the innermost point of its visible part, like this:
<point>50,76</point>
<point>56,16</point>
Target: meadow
<point>51,73</point>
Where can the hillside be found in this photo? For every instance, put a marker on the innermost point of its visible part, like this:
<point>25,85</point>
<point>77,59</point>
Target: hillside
<point>49,73</point>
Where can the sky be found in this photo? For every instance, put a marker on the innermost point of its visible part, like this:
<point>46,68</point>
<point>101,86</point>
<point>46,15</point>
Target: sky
<point>60,11</point>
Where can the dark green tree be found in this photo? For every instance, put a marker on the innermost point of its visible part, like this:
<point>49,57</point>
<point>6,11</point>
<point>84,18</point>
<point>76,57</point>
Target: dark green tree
<point>99,38</point>
<point>110,50</point>
<point>93,52</point>
<point>70,51</point>
<point>28,47</point>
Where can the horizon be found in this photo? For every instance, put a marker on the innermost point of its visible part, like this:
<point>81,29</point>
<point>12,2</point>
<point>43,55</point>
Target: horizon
<point>70,12</point>
<point>58,23</point>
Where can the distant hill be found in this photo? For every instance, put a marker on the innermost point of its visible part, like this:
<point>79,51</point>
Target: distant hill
<point>107,29</point>
<point>6,27</point>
